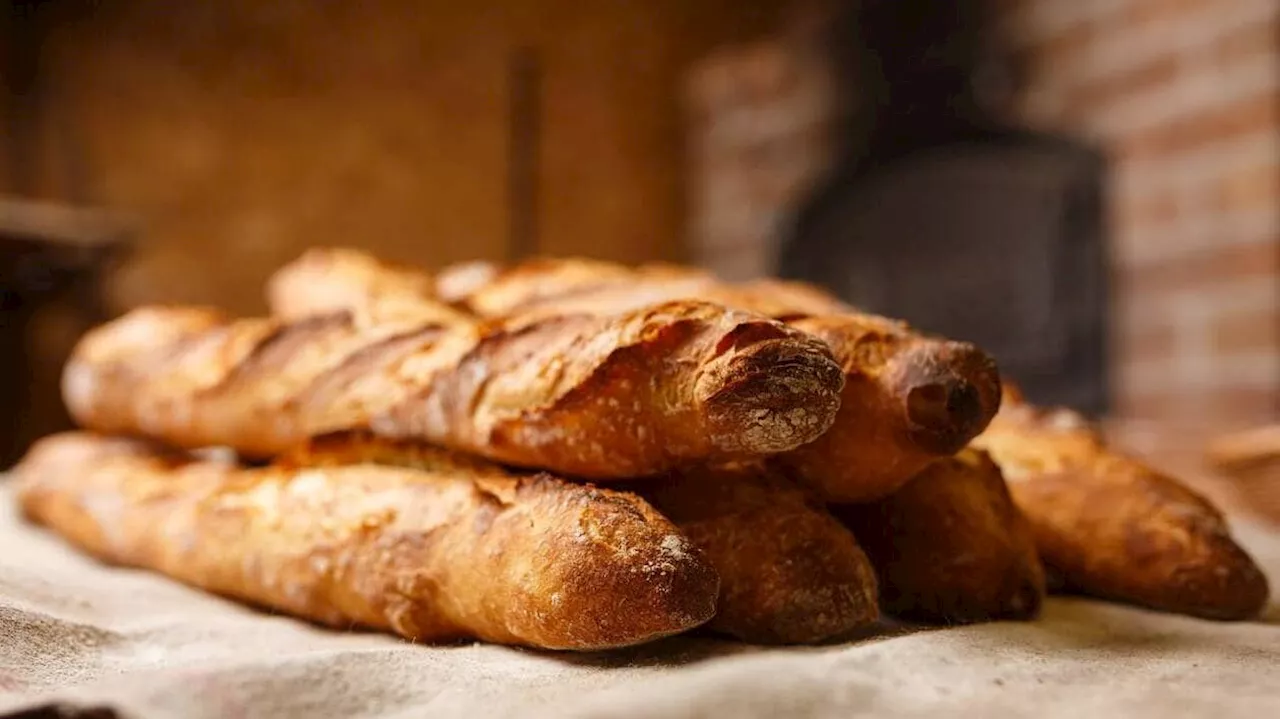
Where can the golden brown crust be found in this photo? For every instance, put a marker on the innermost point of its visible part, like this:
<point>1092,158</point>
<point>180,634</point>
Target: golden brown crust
<point>797,299</point>
<point>454,283</point>
<point>328,280</point>
<point>907,399</point>
<point>547,288</point>
<point>521,288</point>
<point>550,285</point>
<point>526,284</point>
<point>446,551</point>
<point>604,397</point>
<point>950,547</point>
<point>201,379</point>
<point>789,572</point>
<point>1111,527</point>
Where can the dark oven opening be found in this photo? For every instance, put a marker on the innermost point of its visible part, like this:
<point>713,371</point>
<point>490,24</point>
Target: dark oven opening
<point>940,212</point>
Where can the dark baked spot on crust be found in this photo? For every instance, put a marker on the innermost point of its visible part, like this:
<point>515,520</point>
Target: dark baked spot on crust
<point>284,341</point>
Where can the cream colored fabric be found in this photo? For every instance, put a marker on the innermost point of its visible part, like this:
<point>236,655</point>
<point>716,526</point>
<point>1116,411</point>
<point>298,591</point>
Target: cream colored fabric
<point>83,635</point>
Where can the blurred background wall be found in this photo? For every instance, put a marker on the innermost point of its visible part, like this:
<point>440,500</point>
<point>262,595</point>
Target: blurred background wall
<point>240,132</point>
<point>1183,98</point>
<point>231,135</point>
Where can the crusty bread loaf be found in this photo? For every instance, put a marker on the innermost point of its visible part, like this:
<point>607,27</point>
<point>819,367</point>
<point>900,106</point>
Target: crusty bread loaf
<point>524,287</point>
<point>789,572</point>
<point>454,283</point>
<point>628,395</point>
<point>907,399</point>
<point>950,547</point>
<point>326,280</point>
<point>447,550</point>
<point>1108,526</point>
<point>555,286</point>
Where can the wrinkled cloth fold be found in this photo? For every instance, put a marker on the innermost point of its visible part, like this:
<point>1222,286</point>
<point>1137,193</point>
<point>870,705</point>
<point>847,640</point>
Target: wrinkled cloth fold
<point>79,636</point>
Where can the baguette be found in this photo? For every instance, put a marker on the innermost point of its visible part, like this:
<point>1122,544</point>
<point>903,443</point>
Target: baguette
<point>449,550</point>
<point>329,280</point>
<point>907,399</point>
<point>550,287</point>
<point>789,573</point>
<point>1108,526</point>
<point>950,547</point>
<point>456,282</point>
<point>525,287</point>
<point>629,395</point>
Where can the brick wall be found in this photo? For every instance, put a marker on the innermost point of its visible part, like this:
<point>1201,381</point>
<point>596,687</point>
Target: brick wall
<point>1184,96</point>
<point>759,117</point>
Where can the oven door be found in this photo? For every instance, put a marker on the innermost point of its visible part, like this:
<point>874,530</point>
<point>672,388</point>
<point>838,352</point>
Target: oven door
<point>998,244</point>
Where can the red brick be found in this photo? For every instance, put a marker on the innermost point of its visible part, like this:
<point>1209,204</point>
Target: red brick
<point>1157,209</point>
<point>1154,340</point>
<point>1133,303</point>
<point>1255,42</point>
<point>1165,404</point>
<point>1250,188</point>
<point>1141,13</point>
<point>1210,267</point>
<point>1259,112</point>
<point>1098,94</point>
<point>1240,405</point>
<point>1248,331</point>
<point>1223,406</point>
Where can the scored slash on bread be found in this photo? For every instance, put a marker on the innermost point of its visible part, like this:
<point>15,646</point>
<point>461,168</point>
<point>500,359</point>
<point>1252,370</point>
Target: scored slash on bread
<point>703,400</point>
<point>789,572</point>
<point>326,280</point>
<point>524,288</point>
<point>907,399</point>
<point>910,400</point>
<point>448,549</point>
<point>629,395</point>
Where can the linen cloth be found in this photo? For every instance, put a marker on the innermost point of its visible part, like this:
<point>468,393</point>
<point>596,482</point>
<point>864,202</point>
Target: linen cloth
<point>81,636</point>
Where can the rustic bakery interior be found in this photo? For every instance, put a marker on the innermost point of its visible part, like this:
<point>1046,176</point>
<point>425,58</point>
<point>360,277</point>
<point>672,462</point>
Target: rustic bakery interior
<point>639,359</point>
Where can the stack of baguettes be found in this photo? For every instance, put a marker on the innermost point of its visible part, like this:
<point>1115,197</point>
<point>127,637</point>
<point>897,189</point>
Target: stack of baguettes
<point>572,454</point>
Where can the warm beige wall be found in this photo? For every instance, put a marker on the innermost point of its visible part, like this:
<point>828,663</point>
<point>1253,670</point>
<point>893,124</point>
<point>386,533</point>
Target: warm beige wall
<point>241,131</point>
